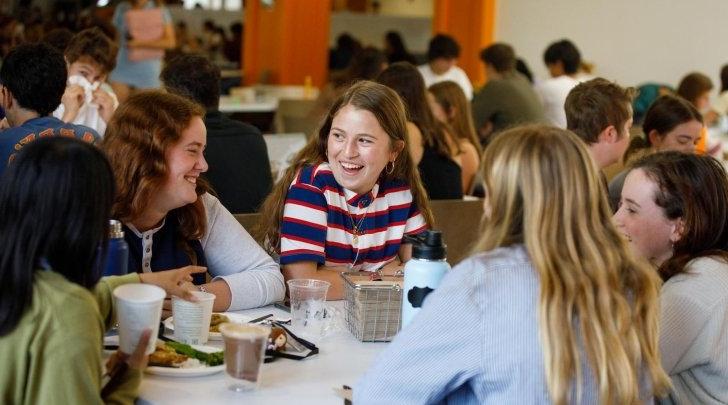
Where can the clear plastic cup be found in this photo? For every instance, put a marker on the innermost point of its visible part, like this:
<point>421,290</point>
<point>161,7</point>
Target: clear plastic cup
<point>191,319</point>
<point>138,307</point>
<point>309,313</point>
<point>244,354</point>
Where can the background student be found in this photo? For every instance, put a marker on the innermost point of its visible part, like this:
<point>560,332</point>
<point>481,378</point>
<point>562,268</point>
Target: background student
<point>33,78</point>
<point>239,171</point>
<point>671,123</point>
<point>88,100</point>
<point>434,150</point>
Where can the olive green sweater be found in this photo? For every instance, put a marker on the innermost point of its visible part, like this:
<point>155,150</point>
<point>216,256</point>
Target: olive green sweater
<point>54,354</point>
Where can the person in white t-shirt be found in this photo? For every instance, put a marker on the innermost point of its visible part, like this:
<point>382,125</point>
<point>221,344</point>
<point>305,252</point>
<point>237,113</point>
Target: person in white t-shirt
<point>88,99</point>
<point>442,57</point>
<point>563,60</point>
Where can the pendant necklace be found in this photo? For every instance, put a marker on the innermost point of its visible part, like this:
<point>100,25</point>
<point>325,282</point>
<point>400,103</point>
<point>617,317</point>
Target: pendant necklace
<point>356,228</point>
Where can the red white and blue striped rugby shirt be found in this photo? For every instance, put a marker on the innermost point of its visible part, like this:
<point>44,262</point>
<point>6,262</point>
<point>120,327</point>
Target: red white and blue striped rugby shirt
<point>316,225</point>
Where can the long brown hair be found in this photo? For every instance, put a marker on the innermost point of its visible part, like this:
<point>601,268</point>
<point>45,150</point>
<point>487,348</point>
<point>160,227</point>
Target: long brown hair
<point>388,109</point>
<point>407,81</point>
<point>136,139</point>
<point>694,188</point>
<point>545,192</point>
<point>452,99</point>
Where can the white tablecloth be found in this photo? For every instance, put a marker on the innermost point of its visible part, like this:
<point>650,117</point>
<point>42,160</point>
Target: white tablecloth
<point>341,361</point>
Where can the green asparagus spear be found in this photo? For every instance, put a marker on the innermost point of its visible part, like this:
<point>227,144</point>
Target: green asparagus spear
<point>211,359</point>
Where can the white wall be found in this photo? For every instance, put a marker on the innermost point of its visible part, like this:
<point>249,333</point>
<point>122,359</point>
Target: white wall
<point>370,29</point>
<point>630,41</point>
<point>411,8</point>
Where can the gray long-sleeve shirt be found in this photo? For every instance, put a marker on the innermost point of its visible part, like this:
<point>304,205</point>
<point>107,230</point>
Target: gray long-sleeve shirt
<point>694,333</point>
<point>234,256</point>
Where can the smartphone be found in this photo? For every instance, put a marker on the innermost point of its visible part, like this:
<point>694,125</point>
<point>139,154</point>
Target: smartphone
<point>283,305</point>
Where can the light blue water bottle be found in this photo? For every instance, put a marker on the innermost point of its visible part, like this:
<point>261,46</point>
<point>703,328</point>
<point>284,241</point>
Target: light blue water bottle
<point>422,273</point>
<point>116,262</point>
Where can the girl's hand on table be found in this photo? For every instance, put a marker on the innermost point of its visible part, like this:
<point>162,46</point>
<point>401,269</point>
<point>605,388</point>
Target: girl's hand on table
<point>174,282</point>
<point>185,286</point>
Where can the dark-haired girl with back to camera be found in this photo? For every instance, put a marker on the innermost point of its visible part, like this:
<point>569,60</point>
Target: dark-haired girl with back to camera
<point>671,123</point>
<point>351,195</point>
<point>395,49</point>
<point>674,212</point>
<point>155,144</point>
<point>434,151</point>
<point>55,202</point>
<point>551,308</point>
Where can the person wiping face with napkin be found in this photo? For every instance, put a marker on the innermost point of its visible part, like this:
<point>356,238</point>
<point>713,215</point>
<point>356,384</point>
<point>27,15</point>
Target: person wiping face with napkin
<point>88,99</point>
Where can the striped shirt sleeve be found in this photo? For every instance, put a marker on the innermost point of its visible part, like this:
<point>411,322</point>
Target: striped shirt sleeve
<point>415,221</point>
<point>304,225</point>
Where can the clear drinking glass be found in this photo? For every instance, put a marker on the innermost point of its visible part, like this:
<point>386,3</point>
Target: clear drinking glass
<point>309,312</point>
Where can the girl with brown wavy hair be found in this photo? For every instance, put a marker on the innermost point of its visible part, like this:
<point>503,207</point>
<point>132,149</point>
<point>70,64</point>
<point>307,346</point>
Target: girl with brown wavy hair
<point>155,143</point>
<point>551,308</point>
<point>351,194</point>
<point>674,212</point>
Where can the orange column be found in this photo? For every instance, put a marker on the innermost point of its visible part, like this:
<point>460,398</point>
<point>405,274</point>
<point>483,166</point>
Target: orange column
<point>471,23</point>
<point>287,41</point>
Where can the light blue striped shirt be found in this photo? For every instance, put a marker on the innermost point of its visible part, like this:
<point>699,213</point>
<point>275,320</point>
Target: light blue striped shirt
<point>474,342</point>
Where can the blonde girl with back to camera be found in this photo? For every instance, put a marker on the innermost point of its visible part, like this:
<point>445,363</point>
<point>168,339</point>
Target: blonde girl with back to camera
<point>556,308</point>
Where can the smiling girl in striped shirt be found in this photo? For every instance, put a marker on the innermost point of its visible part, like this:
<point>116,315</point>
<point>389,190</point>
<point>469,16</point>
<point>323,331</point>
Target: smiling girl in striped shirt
<point>351,195</point>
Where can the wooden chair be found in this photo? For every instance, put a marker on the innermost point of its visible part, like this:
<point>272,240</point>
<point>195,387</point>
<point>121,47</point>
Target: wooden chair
<point>292,115</point>
<point>249,221</point>
<point>459,221</point>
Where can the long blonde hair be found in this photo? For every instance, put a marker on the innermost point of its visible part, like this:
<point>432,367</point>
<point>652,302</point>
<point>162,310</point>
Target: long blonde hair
<point>452,99</point>
<point>389,111</point>
<point>544,191</point>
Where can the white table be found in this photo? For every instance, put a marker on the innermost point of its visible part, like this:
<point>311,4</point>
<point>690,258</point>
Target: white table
<point>341,361</point>
<point>236,104</point>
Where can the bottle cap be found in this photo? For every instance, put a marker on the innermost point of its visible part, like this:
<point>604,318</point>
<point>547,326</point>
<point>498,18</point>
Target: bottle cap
<point>115,230</point>
<point>428,246</point>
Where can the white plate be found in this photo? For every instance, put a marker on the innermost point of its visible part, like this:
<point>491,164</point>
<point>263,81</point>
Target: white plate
<point>234,318</point>
<point>190,371</point>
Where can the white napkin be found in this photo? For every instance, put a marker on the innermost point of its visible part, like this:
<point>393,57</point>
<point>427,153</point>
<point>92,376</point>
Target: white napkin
<point>88,114</point>
<point>88,89</point>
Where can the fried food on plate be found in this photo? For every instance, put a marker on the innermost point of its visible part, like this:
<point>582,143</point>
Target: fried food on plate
<point>216,320</point>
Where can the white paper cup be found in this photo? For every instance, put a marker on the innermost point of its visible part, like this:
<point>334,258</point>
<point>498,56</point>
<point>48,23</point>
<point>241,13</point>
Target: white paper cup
<point>138,307</point>
<point>192,319</point>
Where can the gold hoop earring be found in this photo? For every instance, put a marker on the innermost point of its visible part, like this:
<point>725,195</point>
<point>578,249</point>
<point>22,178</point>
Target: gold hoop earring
<point>389,169</point>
